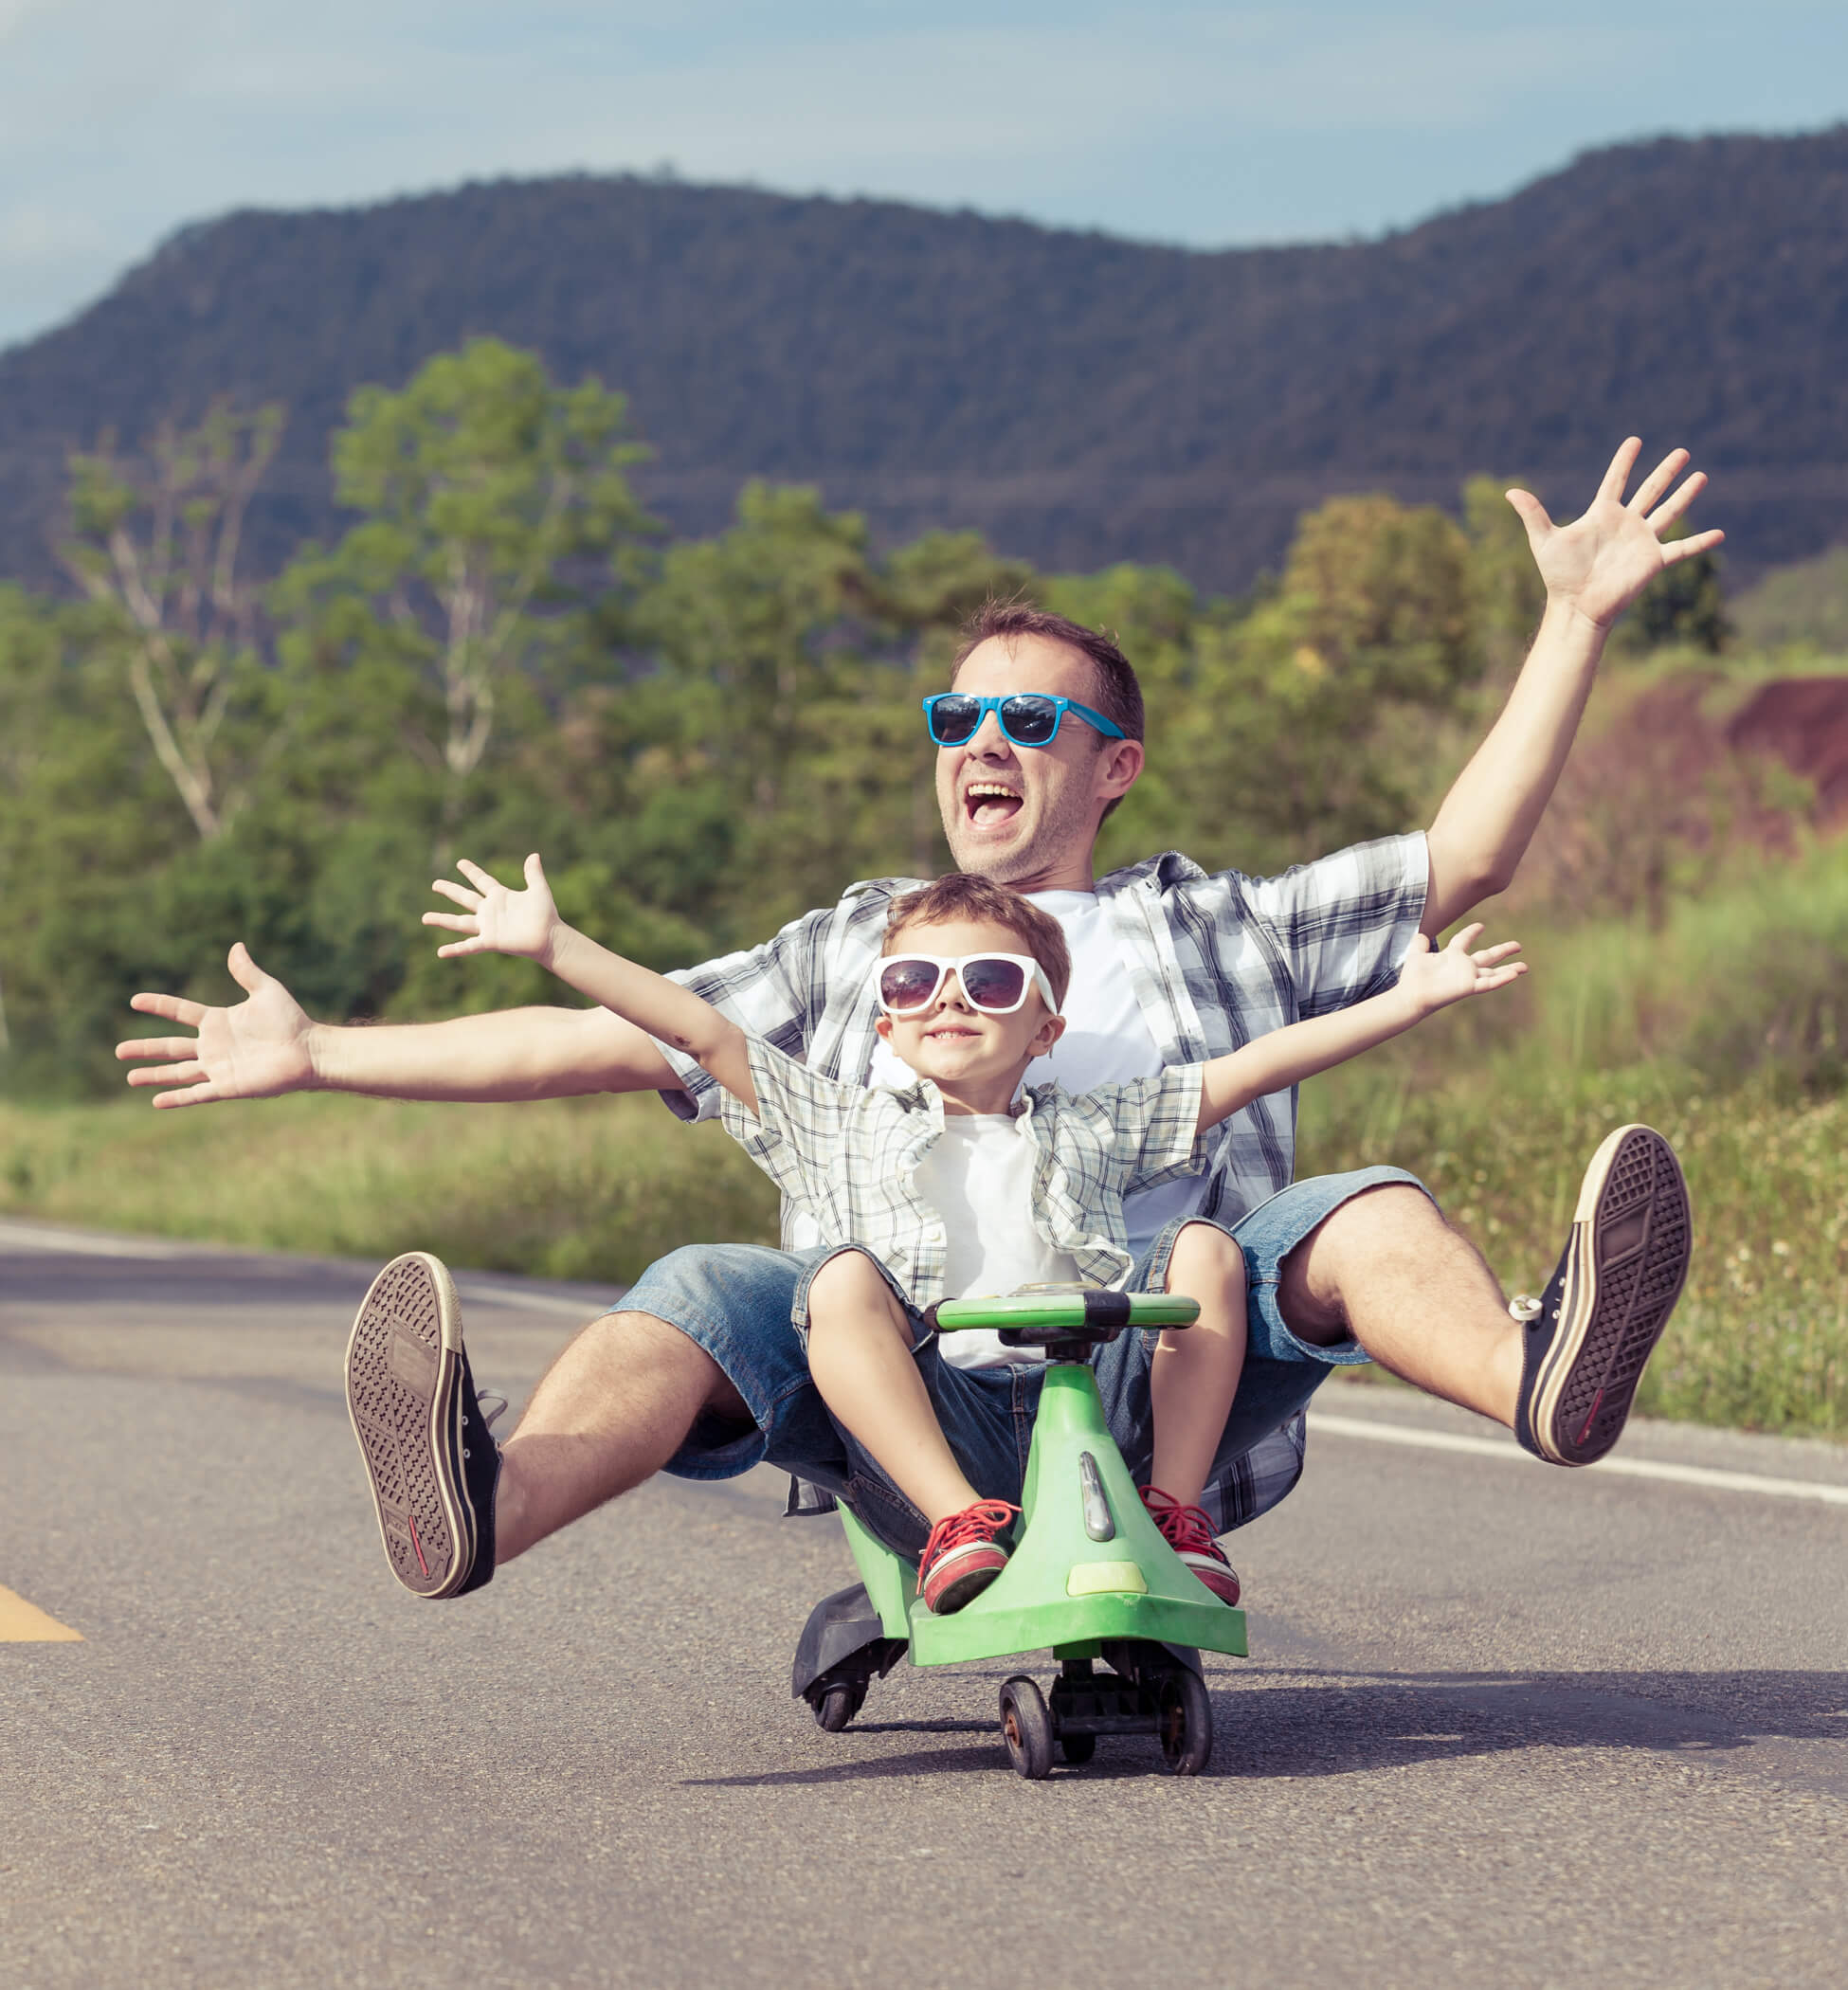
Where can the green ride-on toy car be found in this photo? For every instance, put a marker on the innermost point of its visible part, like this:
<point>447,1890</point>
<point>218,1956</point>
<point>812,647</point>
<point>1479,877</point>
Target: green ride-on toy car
<point>1089,1575</point>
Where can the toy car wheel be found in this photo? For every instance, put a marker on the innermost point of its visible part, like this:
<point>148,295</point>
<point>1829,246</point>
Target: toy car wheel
<point>838,1705</point>
<point>1078,1748</point>
<point>1183,1721</point>
<point>1027,1728</point>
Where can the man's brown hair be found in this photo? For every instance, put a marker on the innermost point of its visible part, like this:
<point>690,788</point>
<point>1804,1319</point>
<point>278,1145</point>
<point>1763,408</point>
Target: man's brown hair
<point>963,896</point>
<point>1117,695</point>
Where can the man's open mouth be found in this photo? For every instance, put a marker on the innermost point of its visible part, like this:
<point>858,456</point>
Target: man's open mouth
<point>988,804</point>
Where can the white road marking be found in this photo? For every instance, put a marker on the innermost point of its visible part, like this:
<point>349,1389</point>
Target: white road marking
<point>476,1291</point>
<point>1507,1451</point>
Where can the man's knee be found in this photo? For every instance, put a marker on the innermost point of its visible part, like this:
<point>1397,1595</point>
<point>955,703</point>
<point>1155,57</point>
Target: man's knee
<point>627,1348</point>
<point>1316,1276</point>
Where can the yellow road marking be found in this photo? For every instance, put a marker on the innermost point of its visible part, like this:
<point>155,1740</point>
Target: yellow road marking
<point>25,1623</point>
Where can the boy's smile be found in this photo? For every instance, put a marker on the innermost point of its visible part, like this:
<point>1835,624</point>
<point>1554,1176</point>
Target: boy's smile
<point>975,1059</point>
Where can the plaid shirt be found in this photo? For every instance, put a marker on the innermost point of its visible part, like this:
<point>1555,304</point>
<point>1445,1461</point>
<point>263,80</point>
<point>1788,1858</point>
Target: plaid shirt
<point>1214,961</point>
<point>849,1153</point>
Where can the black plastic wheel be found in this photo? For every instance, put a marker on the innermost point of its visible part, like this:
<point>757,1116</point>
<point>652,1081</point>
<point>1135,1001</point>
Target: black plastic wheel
<point>838,1704</point>
<point>1184,1722</point>
<point>1078,1748</point>
<point>1026,1728</point>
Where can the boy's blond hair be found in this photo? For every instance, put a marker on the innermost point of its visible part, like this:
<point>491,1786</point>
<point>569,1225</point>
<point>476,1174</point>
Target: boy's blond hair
<point>961,896</point>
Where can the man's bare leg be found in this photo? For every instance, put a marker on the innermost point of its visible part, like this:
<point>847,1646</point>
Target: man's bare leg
<point>612,1409</point>
<point>1386,1270</point>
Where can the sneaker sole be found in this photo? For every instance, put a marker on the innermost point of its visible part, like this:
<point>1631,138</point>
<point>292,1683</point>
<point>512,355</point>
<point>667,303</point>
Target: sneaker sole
<point>404,1358</point>
<point>962,1589</point>
<point>1625,1268</point>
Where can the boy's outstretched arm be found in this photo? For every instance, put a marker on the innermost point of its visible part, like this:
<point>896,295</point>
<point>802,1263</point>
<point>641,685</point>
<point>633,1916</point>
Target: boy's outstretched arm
<point>1428,981</point>
<point>495,919</point>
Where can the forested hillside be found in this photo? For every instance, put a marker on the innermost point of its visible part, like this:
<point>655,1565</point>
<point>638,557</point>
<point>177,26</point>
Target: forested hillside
<point>1079,399</point>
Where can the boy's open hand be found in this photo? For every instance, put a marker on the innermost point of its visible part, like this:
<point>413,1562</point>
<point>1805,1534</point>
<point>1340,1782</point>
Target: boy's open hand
<point>1433,980</point>
<point>1605,558</point>
<point>497,920</point>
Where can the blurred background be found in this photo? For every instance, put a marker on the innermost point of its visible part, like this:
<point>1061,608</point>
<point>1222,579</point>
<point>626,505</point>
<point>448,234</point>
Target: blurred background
<point>460,429</point>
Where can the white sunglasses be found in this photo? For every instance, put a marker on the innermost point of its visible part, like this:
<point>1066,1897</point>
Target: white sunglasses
<point>996,983</point>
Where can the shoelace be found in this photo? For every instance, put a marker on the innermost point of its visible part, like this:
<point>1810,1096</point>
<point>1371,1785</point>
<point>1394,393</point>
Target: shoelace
<point>1182,1527</point>
<point>493,1406</point>
<point>982,1522</point>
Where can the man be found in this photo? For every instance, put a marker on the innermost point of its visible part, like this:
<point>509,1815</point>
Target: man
<point>700,1372</point>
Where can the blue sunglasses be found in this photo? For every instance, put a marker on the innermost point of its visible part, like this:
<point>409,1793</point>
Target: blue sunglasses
<point>1030,719</point>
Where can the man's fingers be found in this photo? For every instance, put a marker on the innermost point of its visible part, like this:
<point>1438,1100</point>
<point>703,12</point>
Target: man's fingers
<point>1676,549</point>
<point>171,1008</point>
<point>189,1072</point>
<point>457,948</point>
<point>1532,512</point>
<point>456,893</point>
<point>535,872</point>
<point>474,873</point>
<point>244,971</point>
<point>193,1096</point>
<point>1620,466</point>
<point>1658,482</point>
<point>157,1048</point>
<point>453,922</point>
<point>1672,507</point>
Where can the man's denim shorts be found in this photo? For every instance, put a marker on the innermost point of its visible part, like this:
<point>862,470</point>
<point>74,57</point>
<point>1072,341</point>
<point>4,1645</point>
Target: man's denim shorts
<point>735,1301</point>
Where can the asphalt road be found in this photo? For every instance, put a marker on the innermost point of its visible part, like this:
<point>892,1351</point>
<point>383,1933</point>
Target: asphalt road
<point>1500,1725</point>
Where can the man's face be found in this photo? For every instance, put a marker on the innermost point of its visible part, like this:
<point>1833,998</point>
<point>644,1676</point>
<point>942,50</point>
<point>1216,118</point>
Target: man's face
<point>1027,816</point>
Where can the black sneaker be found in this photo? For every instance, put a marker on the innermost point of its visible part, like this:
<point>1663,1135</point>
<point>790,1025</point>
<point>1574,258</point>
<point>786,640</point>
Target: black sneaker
<point>428,1452</point>
<point>1605,1306</point>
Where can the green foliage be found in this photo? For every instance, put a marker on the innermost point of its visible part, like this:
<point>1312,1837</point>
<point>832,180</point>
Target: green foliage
<point>1800,606</point>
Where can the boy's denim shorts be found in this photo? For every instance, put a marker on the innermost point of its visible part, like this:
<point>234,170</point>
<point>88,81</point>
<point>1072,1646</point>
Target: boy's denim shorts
<point>738,1301</point>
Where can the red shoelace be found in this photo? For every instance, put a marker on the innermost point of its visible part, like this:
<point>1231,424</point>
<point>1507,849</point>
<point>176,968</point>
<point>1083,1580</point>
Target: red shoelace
<point>982,1522</point>
<point>1183,1528</point>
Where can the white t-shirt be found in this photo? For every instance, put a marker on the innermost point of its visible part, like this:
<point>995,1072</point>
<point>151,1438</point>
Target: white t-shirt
<point>979,1178</point>
<point>1106,1043</point>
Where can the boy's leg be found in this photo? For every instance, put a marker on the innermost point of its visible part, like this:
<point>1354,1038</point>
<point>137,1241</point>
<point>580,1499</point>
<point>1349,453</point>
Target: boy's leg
<point>859,1355</point>
<point>1194,1371</point>
<point>863,1342</point>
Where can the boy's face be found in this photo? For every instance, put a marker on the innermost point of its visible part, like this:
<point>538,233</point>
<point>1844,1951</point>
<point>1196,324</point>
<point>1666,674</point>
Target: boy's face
<point>950,1041</point>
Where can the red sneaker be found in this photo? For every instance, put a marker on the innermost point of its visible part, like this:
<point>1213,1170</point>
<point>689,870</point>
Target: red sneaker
<point>962,1557</point>
<point>1189,1533</point>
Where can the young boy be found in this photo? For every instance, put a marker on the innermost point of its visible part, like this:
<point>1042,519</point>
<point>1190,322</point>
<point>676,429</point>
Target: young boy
<point>961,1183</point>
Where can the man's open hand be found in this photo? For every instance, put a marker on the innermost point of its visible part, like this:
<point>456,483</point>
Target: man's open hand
<point>259,1048</point>
<point>1432,979</point>
<point>497,920</point>
<point>1600,562</point>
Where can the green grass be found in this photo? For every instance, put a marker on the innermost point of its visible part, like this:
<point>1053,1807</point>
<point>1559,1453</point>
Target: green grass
<point>581,1189</point>
<point>1760,1340</point>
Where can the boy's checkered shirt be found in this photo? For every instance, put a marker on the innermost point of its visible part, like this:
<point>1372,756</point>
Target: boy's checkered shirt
<point>849,1153</point>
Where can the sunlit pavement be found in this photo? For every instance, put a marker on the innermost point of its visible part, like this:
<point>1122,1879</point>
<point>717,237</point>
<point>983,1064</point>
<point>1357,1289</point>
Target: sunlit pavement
<point>1502,1724</point>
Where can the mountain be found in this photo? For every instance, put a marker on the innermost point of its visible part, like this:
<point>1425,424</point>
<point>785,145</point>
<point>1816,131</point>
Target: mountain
<point>1079,398</point>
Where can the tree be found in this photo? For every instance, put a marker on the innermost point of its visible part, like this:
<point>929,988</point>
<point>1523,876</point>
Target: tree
<point>156,547</point>
<point>495,503</point>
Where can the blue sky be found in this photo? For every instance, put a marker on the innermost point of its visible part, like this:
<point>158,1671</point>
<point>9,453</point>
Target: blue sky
<point>1211,125</point>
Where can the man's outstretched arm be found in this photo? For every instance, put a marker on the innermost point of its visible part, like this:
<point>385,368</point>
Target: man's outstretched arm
<point>268,1045</point>
<point>1593,569</point>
